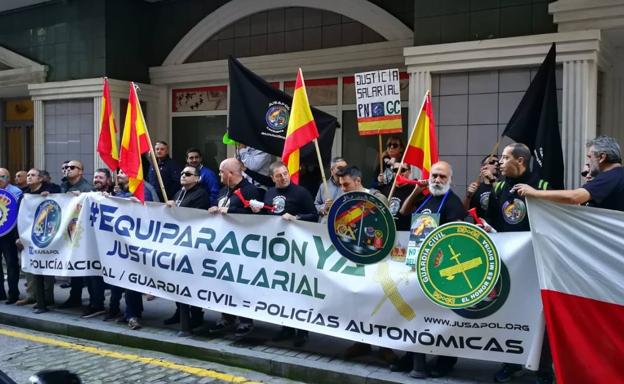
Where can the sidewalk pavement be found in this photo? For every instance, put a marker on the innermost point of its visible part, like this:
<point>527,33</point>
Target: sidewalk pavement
<point>318,361</point>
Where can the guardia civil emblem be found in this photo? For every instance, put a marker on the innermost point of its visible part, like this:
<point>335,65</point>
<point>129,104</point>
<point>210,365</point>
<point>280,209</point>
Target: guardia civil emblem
<point>46,223</point>
<point>361,227</point>
<point>8,212</point>
<point>457,265</point>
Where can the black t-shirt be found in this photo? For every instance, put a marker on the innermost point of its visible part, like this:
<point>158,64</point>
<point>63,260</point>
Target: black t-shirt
<point>451,210</point>
<point>293,199</point>
<point>399,196</point>
<point>607,189</point>
<point>481,198</point>
<point>507,211</point>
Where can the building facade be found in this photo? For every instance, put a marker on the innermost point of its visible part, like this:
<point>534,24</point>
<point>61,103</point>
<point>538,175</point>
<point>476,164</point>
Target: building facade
<point>476,56</point>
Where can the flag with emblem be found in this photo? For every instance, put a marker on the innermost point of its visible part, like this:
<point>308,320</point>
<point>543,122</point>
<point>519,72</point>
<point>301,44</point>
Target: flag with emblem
<point>422,147</point>
<point>107,143</point>
<point>134,143</point>
<point>301,129</point>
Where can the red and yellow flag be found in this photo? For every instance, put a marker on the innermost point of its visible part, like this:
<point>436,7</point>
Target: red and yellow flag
<point>422,149</point>
<point>301,129</point>
<point>107,143</point>
<point>134,143</point>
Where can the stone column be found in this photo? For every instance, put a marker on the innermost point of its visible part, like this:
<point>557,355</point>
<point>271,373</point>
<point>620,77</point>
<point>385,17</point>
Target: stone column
<point>38,135</point>
<point>97,112</point>
<point>578,115</point>
<point>420,82</point>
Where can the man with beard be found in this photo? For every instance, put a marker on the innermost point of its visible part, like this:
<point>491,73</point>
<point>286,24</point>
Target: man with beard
<point>231,173</point>
<point>191,195</point>
<point>208,179</point>
<point>507,212</point>
<point>444,202</point>
<point>292,202</point>
<point>478,192</point>
<point>102,182</point>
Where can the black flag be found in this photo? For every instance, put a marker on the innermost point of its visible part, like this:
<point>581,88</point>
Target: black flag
<point>258,116</point>
<point>535,123</point>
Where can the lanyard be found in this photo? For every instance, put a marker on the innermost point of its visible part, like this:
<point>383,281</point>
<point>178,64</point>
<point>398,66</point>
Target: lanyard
<point>429,198</point>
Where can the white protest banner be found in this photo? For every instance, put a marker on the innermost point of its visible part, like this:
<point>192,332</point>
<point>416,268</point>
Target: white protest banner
<point>378,98</point>
<point>289,273</point>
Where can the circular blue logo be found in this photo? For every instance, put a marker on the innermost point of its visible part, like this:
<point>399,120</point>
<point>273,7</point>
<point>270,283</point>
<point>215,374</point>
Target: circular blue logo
<point>46,223</point>
<point>8,212</point>
<point>361,227</point>
<point>276,117</point>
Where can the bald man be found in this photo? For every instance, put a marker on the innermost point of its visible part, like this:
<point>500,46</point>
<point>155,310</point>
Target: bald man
<point>231,174</point>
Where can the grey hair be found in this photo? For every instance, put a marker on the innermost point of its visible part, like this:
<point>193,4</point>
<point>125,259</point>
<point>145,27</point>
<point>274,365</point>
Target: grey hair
<point>275,165</point>
<point>608,146</point>
<point>336,160</point>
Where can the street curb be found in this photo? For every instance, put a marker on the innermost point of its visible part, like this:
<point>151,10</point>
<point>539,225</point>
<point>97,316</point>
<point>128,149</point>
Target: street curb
<point>294,365</point>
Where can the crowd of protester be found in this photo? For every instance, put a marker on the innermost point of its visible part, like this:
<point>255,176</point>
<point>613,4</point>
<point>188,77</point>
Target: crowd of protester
<point>253,175</point>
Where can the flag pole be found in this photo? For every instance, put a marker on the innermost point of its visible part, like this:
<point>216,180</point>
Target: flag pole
<point>380,153</point>
<point>152,156</point>
<point>408,141</point>
<point>318,155</point>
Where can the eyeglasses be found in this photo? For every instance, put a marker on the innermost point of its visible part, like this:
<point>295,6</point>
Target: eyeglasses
<point>584,173</point>
<point>492,162</point>
<point>392,145</point>
<point>395,170</point>
<point>72,167</point>
<point>4,177</point>
<point>187,174</point>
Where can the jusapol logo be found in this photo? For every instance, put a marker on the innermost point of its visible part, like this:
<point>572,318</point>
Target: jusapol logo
<point>46,224</point>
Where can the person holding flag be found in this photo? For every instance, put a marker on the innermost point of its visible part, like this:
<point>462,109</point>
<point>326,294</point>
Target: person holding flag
<point>134,143</point>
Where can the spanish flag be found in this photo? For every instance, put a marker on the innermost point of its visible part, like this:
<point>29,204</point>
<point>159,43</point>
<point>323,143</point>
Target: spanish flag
<point>134,143</point>
<point>301,129</point>
<point>107,143</point>
<point>422,148</point>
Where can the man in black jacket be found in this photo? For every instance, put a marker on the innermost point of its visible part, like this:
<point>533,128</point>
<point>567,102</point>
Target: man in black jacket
<point>191,195</point>
<point>291,202</point>
<point>169,171</point>
<point>235,187</point>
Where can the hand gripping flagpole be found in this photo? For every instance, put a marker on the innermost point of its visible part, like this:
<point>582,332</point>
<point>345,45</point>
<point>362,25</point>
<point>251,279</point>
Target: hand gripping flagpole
<point>408,143</point>
<point>151,149</point>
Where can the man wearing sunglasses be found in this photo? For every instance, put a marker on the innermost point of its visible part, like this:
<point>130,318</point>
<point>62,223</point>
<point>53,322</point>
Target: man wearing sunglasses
<point>401,192</point>
<point>478,192</point>
<point>191,195</point>
<point>8,247</point>
<point>76,183</point>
